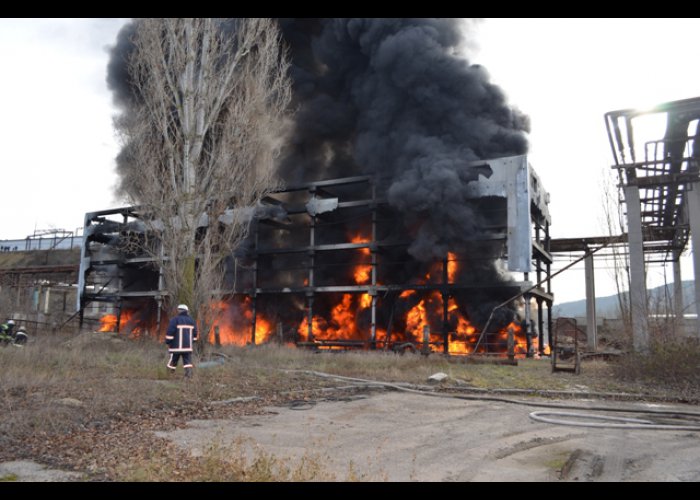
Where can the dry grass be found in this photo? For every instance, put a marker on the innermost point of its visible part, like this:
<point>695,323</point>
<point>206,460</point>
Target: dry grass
<point>239,461</point>
<point>90,402</point>
<point>673,366</point>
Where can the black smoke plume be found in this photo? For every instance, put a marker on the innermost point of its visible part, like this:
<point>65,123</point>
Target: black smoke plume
<point>391,97</point>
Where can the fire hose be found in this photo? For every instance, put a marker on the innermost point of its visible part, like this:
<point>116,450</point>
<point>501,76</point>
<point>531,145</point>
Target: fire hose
<point>620,422</point>
<point>544,416</point>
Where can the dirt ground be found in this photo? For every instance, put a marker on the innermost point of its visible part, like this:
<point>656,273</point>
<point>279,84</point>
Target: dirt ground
<point>109,411</point>
<point>28,471</point>
<point>401,436</point>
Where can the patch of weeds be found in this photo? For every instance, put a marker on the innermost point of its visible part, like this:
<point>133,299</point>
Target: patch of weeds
<point>670,364</point>
<point>557,462</point>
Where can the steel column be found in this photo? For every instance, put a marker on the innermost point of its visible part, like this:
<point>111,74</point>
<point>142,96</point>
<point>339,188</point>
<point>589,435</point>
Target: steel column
<point>373,256</point>
<point>591,327</point>
<point>638,285</point>
<point>445,298</point>
<point>312,263</point>
<point>677,291</point>
<point>694,218</point>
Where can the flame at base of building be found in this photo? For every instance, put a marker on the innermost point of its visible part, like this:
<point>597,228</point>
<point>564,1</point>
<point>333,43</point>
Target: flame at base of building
<point>346,328</point>
<point>419,319</point>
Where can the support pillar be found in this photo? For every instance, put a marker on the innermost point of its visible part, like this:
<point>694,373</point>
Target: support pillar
<point>254,297</point>
<point>47,300</point>
<point>591,327</point>
<point>445,312</point>
<point>540,326</point>
<point>310,317</point>
<point>677,292</point>
<point>311,283</point>
<point>373,256</point>
<point>548,267</point>
<point>254,317</point>
<point>550,325</point>
<point>638,282</point>
<point>694,215</point>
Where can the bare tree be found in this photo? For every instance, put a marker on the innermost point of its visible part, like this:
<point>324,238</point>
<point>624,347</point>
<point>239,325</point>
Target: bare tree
<point>614,224</point>
<point>200,142</point>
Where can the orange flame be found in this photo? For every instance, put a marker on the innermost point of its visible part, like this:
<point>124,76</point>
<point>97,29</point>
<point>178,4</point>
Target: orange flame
<point>365,300</point>
<point>234,320</point>
<point>451,267</point>
<point>130,322</point>
<point>362,272</point>
<point>108,322</point>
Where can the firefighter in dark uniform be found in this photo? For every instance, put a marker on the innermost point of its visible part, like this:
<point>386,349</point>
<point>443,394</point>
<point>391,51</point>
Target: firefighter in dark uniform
<point>7,334</point>
<point>10,328</point>
<point>180,337</point>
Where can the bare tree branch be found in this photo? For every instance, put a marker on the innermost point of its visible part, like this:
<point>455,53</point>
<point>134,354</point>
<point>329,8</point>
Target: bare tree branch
<point>202,141</point>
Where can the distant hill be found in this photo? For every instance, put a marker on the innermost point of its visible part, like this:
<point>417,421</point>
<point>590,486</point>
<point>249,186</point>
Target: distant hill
<point>607,307</point>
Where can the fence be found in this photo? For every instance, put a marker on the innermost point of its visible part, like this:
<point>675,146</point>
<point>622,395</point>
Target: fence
<point>61,242</point>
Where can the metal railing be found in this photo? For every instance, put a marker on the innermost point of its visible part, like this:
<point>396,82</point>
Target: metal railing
<point>30,243</point>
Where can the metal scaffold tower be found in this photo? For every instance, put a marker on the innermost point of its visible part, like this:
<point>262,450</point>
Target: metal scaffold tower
<point>659,186</point>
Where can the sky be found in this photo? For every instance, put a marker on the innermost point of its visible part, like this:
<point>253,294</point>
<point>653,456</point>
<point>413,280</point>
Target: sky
<point>57,143</point>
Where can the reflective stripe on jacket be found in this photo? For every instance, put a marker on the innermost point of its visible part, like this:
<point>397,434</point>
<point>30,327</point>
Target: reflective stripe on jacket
<point>181,333</point>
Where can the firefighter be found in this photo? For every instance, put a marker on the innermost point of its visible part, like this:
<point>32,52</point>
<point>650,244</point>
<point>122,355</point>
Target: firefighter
<point>180,336</point>
<point>5,337</point>
<point>21,336</point>
<point>7,334</point>
<point>10,328</point>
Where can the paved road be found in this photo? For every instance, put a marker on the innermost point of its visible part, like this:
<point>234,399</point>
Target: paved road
<point>402,436</point>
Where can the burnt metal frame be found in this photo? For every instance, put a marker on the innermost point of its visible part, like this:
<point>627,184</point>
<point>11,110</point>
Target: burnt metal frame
<point>105,292</point>
<point>540,255</point>
<point>91,262</point>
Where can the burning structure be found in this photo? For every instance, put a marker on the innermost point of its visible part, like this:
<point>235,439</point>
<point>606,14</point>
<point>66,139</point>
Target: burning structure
<point>408,200</point>
<point>331,267</point>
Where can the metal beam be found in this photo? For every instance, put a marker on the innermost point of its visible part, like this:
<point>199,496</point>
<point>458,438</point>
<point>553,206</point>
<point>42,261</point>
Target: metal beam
<point>582,244</point>
<point>540,252</point>
<point>334,182</point>
<point>541,294</point>
<point>73,268</point>
<point>511,287</point>
<point>664,179</point>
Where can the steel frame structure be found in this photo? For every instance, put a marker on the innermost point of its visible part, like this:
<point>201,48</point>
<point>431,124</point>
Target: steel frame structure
<point>659,187</point>
<point>517,223</point>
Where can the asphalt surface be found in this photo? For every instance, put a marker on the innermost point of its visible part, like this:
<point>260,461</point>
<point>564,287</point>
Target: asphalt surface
<point>399,436</point>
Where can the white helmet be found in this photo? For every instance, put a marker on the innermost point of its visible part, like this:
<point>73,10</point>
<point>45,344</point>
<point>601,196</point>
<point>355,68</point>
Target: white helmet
<point>10,322</point>
<point>183,307</point>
